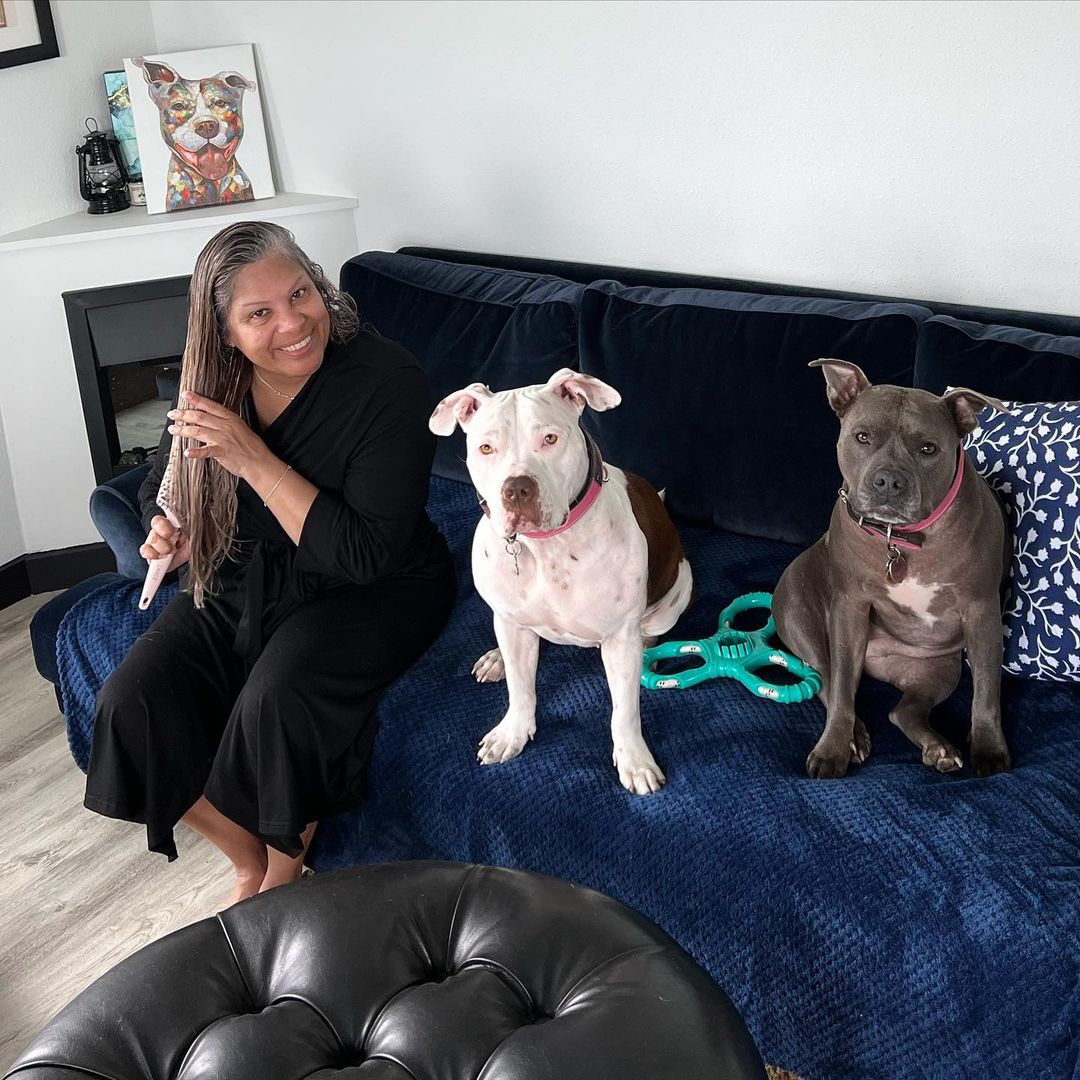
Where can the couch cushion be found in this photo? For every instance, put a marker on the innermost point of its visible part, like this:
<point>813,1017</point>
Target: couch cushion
<point>719,406</point>
<point>1005,361</point>
<point>467,324</point>
<point>1032,459</point>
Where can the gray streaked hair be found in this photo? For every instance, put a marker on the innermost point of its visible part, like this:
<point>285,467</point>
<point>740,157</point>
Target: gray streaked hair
<point>203,492</point>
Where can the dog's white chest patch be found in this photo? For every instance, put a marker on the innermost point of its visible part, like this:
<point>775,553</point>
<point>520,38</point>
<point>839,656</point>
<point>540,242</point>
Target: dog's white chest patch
<point>917,597</point>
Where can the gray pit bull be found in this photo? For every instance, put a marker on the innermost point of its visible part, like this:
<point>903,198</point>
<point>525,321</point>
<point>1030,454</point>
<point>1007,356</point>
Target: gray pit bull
<point>908,576</point>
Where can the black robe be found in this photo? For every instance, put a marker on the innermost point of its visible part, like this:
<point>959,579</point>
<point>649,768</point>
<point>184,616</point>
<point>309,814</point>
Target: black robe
<point>264,700</point>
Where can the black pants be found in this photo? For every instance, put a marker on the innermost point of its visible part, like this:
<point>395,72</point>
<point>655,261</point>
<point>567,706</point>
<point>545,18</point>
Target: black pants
<point>273,745</point>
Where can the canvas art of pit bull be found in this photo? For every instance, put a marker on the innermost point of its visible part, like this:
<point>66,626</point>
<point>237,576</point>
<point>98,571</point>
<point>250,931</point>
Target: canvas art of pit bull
<point>570,549</point>
<point>202,124</point>
<point>908,577</point>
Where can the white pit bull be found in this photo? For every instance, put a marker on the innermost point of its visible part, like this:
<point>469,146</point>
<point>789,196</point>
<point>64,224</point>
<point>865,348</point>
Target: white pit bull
<point>570,550</point>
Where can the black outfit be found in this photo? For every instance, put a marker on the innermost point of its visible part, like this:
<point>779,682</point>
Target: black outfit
<point>264,700</point>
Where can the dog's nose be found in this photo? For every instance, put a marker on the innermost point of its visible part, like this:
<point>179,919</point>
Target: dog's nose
<point>517,491</point>
<point>207,129</point>
<point>888,484</point>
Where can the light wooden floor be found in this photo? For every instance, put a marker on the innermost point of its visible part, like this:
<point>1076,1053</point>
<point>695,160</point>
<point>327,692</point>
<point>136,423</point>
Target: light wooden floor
<point>78,892</point>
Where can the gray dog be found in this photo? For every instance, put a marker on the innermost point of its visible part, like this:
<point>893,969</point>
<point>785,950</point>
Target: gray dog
<point>907,577</point>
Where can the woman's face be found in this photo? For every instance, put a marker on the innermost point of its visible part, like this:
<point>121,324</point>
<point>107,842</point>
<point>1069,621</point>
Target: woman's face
<point>277,318</point>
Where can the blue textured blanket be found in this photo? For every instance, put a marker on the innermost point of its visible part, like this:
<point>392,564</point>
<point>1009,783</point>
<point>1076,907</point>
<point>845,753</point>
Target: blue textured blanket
<point>896,924</point>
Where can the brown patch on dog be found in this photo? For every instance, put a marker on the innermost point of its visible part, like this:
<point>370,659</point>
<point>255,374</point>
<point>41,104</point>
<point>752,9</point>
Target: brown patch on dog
<point>665,546</point>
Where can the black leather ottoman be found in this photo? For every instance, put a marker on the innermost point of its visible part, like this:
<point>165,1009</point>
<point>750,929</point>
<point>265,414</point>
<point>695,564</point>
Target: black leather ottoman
<point>404,971</point>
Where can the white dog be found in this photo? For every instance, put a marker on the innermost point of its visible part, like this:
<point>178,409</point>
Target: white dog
<point>570,549</point>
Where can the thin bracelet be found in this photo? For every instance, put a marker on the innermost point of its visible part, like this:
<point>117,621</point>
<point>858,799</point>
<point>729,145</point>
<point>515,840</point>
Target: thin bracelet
<point>288,469</point>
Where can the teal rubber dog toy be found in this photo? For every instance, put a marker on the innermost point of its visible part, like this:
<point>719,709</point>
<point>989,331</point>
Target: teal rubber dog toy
<point>734,654</point>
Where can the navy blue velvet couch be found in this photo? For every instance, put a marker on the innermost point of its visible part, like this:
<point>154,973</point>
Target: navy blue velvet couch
<point>896,924</point>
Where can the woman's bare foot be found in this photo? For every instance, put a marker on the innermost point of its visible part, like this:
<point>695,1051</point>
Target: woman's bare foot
<point>244,850</point>
<point>282,876</point>
<point>249,879</point>
<point>280,869</point>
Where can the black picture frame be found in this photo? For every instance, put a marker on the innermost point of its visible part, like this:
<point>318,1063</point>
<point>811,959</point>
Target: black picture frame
<point>47,49</point>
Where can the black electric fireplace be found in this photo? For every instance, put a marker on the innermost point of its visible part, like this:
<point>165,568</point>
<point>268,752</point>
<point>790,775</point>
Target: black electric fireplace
<point>127,341</point>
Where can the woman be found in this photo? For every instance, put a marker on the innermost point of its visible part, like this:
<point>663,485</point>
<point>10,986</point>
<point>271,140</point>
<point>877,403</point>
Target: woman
<point>313,575</point>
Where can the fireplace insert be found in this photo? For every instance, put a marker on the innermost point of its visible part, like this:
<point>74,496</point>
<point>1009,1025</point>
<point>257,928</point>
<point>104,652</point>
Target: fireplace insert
<point>127,341</point>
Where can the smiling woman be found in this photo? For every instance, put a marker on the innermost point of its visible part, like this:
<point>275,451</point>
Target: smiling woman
<point>313,575</point>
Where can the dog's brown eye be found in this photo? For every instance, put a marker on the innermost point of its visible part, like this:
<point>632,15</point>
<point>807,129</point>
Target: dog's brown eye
<point>486,448</point>
<point>551,439</point>
<point>862,436</point>
<point>928,448</point>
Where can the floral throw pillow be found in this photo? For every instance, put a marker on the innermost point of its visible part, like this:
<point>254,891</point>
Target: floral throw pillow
<point>1032,459</point>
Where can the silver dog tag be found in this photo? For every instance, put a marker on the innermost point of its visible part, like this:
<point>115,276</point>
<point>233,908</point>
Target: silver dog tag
<point>513,547</point>
<point>896,567</point>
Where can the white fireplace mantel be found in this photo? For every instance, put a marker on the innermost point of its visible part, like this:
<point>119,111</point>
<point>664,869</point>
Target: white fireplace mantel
<point>39,398</point>
<point>83,227</point>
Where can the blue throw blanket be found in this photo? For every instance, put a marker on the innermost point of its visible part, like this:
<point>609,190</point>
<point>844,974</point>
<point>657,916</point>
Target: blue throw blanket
<point>896,924</point>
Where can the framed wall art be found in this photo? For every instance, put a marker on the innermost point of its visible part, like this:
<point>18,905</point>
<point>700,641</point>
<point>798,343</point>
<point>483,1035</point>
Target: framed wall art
<point>199,125</point>
<point>27,33</point>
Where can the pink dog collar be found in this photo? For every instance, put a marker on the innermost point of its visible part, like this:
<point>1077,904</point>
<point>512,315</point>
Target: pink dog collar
<point>894,535</point>
<point>577,512</point>
<point>579,507</point>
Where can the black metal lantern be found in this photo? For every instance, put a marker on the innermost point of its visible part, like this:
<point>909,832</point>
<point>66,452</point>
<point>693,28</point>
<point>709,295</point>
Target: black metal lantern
<point>103,179</point>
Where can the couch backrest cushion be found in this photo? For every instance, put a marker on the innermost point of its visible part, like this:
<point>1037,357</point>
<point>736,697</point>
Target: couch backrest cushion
<point>1008,362</point>
<point>719,406</point>
<point>467,324</point>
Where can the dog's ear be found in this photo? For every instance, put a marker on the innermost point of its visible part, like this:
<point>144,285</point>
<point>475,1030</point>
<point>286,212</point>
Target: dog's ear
<point>845,382</point>
<point>965,406</point>
<point>235,80</point>
<point>581,390</point>
<point>157,73</point>
<point>458,408</point>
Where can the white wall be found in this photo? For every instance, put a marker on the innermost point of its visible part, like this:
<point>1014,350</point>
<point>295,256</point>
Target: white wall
<point>43,106</point>
<point>923,149</point>
<point>919,149</point>
<point>11,538</point>
<point>42,109</point>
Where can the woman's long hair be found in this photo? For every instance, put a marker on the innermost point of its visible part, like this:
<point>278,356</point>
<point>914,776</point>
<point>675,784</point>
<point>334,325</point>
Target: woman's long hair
<point>203,492</point>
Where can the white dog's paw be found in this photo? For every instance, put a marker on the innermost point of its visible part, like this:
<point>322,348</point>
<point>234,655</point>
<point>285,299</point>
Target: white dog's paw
<point>504,741</point>
<point>638,771</point>
<point>490,667</point>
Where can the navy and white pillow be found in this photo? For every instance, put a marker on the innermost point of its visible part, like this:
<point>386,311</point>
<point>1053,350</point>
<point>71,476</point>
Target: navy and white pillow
<point>1032,459</point>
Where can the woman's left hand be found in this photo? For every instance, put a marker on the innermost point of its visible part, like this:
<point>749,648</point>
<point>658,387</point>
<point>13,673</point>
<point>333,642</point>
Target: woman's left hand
<point>224,435</point>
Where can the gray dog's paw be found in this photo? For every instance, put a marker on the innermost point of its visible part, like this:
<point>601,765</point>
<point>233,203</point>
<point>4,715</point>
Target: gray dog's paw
<point>828,762</point>
<point>942,755</point>
<point>990,760</point>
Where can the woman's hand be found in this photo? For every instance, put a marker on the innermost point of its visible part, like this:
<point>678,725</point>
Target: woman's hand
<point>165,540</point>
<point>225,437</point>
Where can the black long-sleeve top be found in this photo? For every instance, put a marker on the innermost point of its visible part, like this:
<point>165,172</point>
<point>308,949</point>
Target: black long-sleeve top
<point>358,431</point>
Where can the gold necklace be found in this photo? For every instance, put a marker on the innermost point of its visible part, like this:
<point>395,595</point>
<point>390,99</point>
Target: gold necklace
<point>280,393</point>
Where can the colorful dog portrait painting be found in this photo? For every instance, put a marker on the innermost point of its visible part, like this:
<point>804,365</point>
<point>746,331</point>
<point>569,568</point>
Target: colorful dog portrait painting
<point>200,128</point>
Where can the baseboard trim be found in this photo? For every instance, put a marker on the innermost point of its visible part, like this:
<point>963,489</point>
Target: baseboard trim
<point>14,582</point>
<point>46,571</point>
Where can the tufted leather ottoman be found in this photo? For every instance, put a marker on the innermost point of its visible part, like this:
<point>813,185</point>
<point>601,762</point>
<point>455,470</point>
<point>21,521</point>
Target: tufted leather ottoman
<point>404,971</point>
